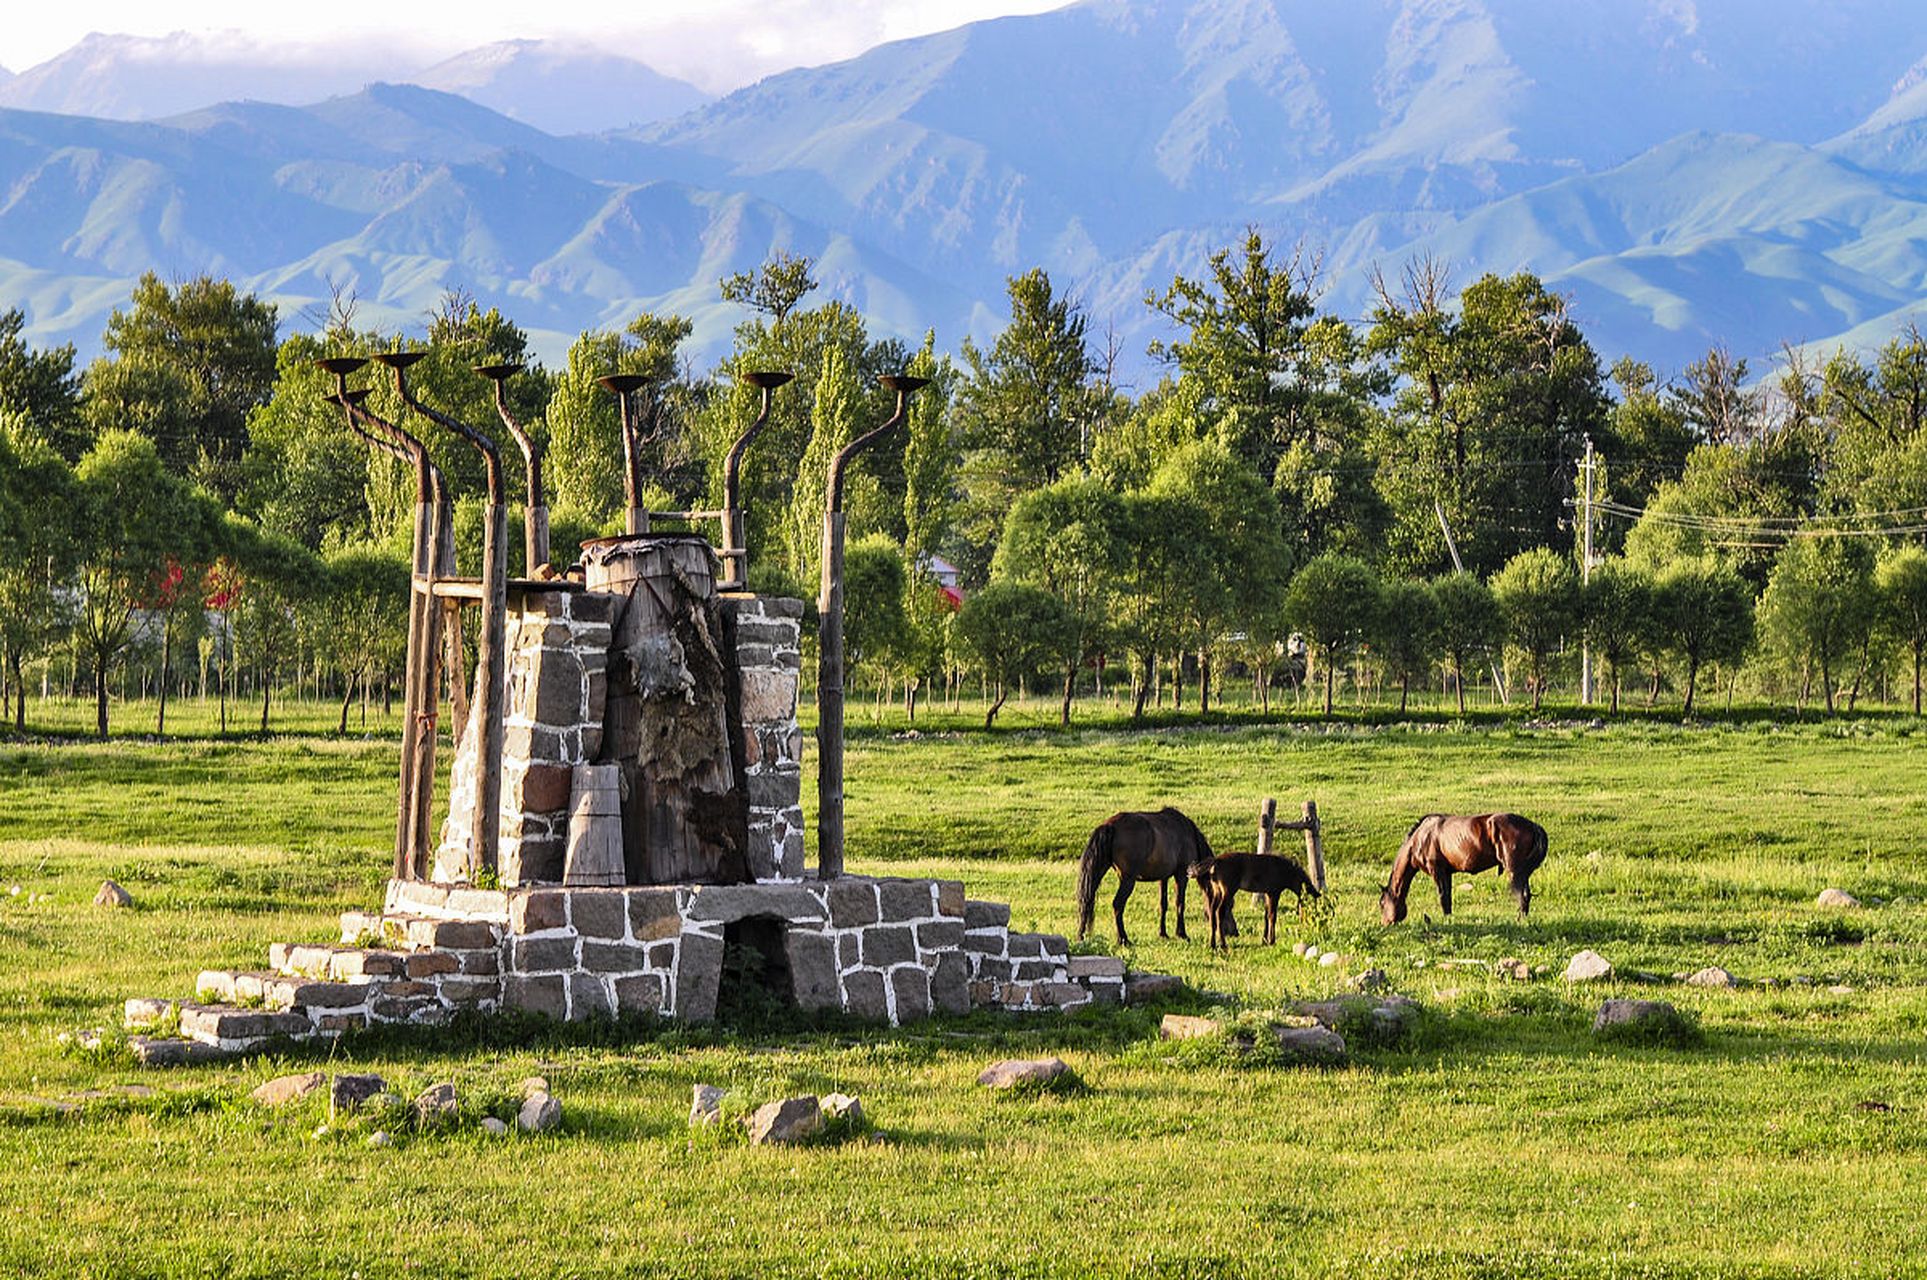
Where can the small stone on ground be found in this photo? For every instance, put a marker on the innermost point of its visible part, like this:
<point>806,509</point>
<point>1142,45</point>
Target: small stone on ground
<point>1620,1013</point>
<point>706,1104</point>
<point>493,1127</point>
<point>1184,1026</point>
<point>842,1106</point>
<point>790,1120</point>
<point>1587,966</point>
<point>436,1103</point>
<point>379,1138</point>
<point>1836,898</point>
<point>112,895</point>
<point>349,1091</point>
<point>1012,1072</point>
<point>284,1089</point>
<point>1711,976</point>
<point>540,1113</point>
<point>1311,1044</point>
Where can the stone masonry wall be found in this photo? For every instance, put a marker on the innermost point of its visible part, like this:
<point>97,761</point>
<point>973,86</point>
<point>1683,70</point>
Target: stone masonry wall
<point>556,673</point>
<point>765,632</point>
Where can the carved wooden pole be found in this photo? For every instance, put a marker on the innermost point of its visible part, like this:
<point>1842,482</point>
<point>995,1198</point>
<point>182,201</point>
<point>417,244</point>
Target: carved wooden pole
<point>623,385</point>
<point>490,658</point>
<point>829,662</point>
<point>535,516</point>
<point>422,676</point>
<point>735,555</point>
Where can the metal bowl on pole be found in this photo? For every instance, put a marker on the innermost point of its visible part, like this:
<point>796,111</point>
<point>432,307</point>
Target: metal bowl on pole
<point>535,515</point>
<point>624,386</point>
<point>735,552</point>
<point>829,663</point>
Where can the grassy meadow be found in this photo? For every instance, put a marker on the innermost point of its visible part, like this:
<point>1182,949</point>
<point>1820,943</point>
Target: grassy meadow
<point>1501,1140</point>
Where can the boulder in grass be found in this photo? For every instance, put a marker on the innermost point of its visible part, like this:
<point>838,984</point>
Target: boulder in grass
<point>348,1092</point>
<point>1013,1073</point>
<point>1587,966</point>
<point>493,1128</point>
<point>112,895</point>
<point>1836,898</point>
<point>1313,1045</point>
<point>285,1089</point>
<point>437,1103</point>
<point>540,1113</point>
<point>789,1121</point>
<point>1711,976</point>
<point>1184,1026</point>
<point>842,1106</point>
<point>1646,1022</point>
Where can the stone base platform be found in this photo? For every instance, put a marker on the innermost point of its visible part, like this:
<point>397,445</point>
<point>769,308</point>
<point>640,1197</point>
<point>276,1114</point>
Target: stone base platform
<point>885,949</point>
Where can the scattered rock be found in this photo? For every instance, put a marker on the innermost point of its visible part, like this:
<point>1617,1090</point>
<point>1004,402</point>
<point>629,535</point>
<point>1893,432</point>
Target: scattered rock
<point>540,1113</point>
<point>790,1120</point>
<point>284,1089</point>
<point>1329,959</point>
<point>1372,981</point>
<point>1541,970</point>
<point>1840,989</point>
<point>349,1091</point>
<point>1619,1013</point>
<point>1587,966</point>
<point>1389,1017</point>
<point>1140,986</point>
<point>1311,1044</point>
<point>1513,968</point>
<point>1012,1072</point>
<point>1836,898</point>
<point>437,1103</point>
<point>1801,980</point>
<point>534,1085</point>
<point>706,1104</point>
<point>842,1106</point>
<point>493,1127</point>
<point>1711,976</point>
<point>1310,953</point>
<point>379,1138</point>
<point>112,895</point>
<point>1184,1026</point>
<point>1299,948</point>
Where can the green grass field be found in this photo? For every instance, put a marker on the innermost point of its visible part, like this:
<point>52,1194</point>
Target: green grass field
<point>1502,1141</point>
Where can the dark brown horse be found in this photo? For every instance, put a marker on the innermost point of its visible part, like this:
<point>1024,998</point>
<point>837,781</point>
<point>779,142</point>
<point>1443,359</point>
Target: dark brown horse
<point>1140,846</point>
<point>1440,845</point>
<point>1266,874</point>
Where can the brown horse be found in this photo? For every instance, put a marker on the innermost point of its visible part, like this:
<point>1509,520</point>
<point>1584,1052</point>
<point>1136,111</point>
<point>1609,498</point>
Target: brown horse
<point>1141,846</point>
<point>1266,874</point>
<point>1440,844</point>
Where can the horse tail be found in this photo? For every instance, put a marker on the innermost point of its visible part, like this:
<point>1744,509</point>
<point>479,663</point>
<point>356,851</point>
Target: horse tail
<point>1097,857</point>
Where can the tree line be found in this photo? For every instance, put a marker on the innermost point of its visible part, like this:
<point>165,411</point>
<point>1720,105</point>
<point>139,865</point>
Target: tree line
<point>1298,500</point>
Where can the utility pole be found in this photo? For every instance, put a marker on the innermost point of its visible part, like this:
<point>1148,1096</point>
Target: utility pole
<point>1585,570</point>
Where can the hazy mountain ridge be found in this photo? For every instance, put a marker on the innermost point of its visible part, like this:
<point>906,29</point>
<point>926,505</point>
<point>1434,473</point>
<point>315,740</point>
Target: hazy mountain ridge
<point>1690,172</point>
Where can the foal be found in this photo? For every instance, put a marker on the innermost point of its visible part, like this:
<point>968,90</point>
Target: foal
<point>1268,874</point>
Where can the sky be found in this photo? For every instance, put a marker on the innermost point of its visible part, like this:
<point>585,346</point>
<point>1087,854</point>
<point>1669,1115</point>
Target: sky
<point>716,44</point>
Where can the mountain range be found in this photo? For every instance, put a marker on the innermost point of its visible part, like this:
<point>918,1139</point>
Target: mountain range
<point>1690,172</point>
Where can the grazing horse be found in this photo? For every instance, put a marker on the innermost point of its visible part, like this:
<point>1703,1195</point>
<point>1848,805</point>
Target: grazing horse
<point>1262,873</point>
<point>1440,844</point>
<point>1141,846</point>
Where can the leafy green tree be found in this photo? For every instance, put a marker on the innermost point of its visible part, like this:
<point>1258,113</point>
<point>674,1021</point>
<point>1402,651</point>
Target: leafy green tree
<point>1489,420</point>
<point>930,500</point>
<point>1648,436</point>
<point>1538,596</point>
<point>39,389</point>
<point>305,474</point>
<point>1716,401</point>
<point>1875,446</point>
<point>1170,564</point>
<point>274,578</point>
<point>875,627</point>
<point>1470,626</point>
<point>1333,602</point>
<point>1067,538</point>
<point>834,409</point>
<point>1618,605</point>
<point>1270,373</point>
<point>1237,571</point>
<point>1029,400</point>
<point>584,422</point>
<point>1901,577</point>
<point>1013,631</point>
<point>40,527</point>
<point>219,343</point>
<point>1708,609</point>
<point>775,288</point>
<point>364,615</point>
<point>1819,606</point>
<point>135,521</point>
<point>1406,634</point>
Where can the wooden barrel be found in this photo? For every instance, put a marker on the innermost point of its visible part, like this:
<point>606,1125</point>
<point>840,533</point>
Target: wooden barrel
<point>666,723</point>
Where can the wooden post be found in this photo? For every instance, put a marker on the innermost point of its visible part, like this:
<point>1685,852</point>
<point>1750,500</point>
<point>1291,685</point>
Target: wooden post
<point>829,662</point>
<point>1267,824</point>
<point>1314,845</point>
<point>735,555</point>
<point>535,518</point>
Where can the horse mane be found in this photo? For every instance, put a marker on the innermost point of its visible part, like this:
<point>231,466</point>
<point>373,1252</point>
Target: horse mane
<point>1404,847</point>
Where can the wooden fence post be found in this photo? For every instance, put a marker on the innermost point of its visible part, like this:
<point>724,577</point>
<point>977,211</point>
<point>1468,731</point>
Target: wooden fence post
<point>1315,845</point>
<point>1267,824</point>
